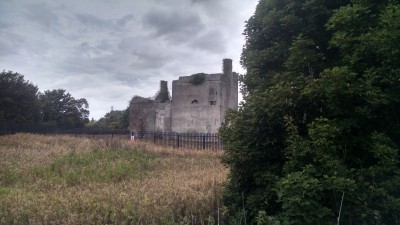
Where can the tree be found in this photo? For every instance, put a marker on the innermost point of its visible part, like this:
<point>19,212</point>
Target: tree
<point>318,131</point>
<point>60,108</point>
<point>115,119</point>
<point>18,99</point>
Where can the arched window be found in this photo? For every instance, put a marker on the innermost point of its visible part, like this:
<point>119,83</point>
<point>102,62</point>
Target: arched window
<point>195,102</point>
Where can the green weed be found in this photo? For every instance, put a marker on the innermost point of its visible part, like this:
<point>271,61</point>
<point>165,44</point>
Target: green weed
<point>95,166</point>
<point>9,177</point>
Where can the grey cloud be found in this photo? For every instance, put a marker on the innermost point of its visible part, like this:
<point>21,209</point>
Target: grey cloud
<point>41,14</point>
<point>148,61</point>
<point>9,14</point>
<point>79,65</point>
<point>195,1</point>
<point>91,58</point>
<point>86,59</point>
<point>145,54</point>
<point>93,22</point>
<point>4,25</point>
<point>89,50</point>
<point>11,43</point>
<point>102,46</point>
<point>126,44</point>
<point>212,41</point>
<point>124,20</point>
<point>174,24</point>
<point>98,49</point>
<point>6,49</point>
<point>105,45</point>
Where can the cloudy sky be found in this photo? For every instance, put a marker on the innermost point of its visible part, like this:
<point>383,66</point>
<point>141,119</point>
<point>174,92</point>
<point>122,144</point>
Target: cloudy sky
<point>107,51</point>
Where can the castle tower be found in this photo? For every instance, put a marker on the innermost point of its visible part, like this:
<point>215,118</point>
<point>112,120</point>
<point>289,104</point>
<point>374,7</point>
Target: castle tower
<point>163,94</point>
<point>231,83</point>
<point>227,66</point>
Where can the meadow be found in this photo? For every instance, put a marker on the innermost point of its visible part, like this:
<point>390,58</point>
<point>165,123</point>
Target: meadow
<point>68,180</point>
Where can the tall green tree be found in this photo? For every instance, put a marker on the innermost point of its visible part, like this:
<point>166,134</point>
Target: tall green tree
<point>317,138</point>
<point>18,99</point>
<point>60,108</point>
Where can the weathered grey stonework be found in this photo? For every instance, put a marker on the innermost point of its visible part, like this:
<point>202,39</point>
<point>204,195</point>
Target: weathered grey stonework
<point>199,103</point>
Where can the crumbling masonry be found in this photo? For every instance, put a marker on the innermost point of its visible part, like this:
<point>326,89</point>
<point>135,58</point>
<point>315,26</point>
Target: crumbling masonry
<point>198,104</point>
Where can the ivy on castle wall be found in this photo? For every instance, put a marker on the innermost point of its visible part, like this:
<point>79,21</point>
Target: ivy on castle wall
<point>163,94</point>
<point>198,78</point>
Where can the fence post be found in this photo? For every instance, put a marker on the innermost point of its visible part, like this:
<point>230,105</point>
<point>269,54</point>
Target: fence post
<point>204,141</point>
<point>154,137</point>
<point>177,140</point>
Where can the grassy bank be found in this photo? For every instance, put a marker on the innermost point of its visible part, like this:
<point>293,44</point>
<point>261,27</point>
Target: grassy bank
<point>66,180</point>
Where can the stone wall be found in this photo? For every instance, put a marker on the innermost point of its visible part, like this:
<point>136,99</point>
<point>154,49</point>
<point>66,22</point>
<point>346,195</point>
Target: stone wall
<point>142,114</point>
<point>197,108</point>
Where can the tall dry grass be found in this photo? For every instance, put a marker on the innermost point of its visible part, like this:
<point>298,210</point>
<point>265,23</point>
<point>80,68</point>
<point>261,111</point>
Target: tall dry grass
<point>67,180</point>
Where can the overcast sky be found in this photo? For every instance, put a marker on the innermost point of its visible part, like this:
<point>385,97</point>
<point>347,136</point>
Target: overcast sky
<point>107,51</point>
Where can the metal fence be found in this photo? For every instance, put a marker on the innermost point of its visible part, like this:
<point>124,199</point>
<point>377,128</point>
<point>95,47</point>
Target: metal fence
<point>170,139</point>
<point>181,140</point>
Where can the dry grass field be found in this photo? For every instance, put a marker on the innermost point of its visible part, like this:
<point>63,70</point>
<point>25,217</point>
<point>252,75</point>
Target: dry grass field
<point>67,180</point>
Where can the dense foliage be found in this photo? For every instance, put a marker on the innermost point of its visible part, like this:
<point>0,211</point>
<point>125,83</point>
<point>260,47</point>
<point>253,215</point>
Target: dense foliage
<point>115,119</point>
<point>317,138</point>
<point>18,99</point>
<point>60,108</point>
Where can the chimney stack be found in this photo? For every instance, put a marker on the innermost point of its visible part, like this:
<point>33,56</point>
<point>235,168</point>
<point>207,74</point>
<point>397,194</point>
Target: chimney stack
<point>227,66</point>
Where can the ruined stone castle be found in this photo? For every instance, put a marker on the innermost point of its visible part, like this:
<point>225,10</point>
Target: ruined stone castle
<point>198,104</point>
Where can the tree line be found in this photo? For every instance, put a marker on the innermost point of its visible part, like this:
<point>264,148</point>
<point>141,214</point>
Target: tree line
<point>22,103</point>
<point>317,139</point>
